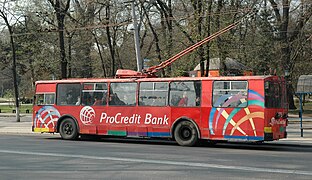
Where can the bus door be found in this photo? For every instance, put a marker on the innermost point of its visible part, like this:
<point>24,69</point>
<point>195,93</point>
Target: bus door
<point>93,103</point>
<point>227,118</point>
<point>276,109</point>
<point>45,115</point>
<point>153,109</point>
<point>119,112</point>
<point>185,100</point>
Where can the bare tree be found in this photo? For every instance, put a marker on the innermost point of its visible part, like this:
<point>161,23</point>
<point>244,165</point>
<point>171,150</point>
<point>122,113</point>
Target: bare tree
<point>4,16</point>
<point>287,37</point>
<point>61,10</point>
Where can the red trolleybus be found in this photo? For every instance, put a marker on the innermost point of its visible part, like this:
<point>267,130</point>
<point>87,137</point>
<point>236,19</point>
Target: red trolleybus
<point>186,109</point>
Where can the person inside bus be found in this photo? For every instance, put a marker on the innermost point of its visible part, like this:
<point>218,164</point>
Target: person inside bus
<point>183,101</point>
<point>114,100</point>
<point>69,98</point>
<point>97,101</point>
<point>111,99</point>
<point>78,101</point>
<point>87,99</point>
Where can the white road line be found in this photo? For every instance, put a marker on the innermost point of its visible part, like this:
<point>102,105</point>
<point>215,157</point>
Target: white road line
<point>164,162</point>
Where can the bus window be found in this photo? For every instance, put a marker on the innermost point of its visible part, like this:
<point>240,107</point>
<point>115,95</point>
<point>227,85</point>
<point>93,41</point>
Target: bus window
<point>68,94</point>
<point>94,94</point>
<point>185,93</point>
<point>153,94</point>
<point>274,95</point>
<point>230,93</point>
<point>45,99</point>
<point>122,94</point>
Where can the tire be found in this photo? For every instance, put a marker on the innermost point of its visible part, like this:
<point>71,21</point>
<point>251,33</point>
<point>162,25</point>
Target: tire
<point>68,129</point>
<point>186,134</point>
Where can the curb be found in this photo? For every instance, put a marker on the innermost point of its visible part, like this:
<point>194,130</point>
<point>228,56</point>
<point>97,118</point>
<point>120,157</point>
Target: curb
<point>13,115</point>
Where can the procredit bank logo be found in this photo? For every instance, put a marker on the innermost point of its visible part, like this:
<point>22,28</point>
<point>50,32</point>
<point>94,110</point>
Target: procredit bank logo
<point>277,121</point>
<point>87,114</point>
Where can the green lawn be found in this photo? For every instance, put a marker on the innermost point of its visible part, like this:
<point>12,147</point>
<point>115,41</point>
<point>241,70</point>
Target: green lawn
<point>307,109</point>
<point>10,108</point>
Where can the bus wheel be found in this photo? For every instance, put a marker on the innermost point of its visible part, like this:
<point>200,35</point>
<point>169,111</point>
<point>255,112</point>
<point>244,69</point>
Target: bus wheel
<point>185,134</point>
<point>68,129</point>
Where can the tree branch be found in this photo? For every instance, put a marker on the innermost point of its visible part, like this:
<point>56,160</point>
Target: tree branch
<point>300,24</point>
<point>276,11</point>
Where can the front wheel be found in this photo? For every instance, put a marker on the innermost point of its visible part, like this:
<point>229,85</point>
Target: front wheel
<point>186,134</point>
<point>68,129</point>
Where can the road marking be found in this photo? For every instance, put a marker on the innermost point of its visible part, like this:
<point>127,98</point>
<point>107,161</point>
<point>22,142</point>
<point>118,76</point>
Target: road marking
<point>164,162</point>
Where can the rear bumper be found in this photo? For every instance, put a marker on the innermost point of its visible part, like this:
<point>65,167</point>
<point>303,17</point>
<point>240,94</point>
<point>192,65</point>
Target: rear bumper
<point>268,136</point>
<point>272,137</point>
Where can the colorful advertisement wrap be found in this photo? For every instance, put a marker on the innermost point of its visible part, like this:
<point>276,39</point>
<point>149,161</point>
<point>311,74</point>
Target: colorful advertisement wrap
<point>45,119</point>
<point>241,122</point>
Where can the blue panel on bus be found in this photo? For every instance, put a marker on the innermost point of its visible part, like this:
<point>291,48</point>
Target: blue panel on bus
<point>250,138</point>
<point>158,134</point>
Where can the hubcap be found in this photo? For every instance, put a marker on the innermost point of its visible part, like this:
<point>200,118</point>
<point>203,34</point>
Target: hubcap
<point>186,133</point>
<point>68,129</point>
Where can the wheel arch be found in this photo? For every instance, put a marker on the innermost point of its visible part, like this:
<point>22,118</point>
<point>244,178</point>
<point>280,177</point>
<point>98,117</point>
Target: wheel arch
<point>64,117</point>
<point>183,118</point>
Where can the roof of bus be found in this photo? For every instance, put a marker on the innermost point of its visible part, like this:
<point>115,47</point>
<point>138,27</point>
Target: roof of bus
<point>76,80</point>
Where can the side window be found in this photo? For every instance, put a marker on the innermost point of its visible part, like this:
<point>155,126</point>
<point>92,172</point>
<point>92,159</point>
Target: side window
<point>122,94</point>
<point>68,94</point>
<point>230,93</point>
<point>94,94</point>
<point>45,99</point>
<point>153,94</point>
<point>185,93</point>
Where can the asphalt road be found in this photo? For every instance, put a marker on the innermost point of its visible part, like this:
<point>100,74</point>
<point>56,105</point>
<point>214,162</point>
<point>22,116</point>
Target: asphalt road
<point>49,157</point>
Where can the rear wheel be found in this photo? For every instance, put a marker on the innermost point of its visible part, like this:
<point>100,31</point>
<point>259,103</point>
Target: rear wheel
<point>186,134</point>
<point>68,129</point>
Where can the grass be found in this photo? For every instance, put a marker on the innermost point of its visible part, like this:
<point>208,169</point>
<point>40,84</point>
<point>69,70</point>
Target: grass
<point>307,109</point>
<point>10,108</point>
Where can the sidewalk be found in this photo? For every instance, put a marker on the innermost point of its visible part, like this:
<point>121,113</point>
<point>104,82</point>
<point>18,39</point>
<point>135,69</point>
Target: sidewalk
<point>8,125</point>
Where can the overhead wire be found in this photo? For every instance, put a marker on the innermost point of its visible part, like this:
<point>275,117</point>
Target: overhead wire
<point>98,26</point>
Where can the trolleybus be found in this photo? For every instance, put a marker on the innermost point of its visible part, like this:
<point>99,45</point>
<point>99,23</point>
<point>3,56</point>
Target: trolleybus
<point>185,109</point>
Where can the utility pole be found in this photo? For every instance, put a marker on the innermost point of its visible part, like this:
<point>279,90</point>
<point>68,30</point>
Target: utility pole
<point>136,38</point>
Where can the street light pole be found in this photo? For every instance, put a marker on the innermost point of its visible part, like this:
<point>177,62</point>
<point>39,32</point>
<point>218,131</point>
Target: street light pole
<point>136,38</point>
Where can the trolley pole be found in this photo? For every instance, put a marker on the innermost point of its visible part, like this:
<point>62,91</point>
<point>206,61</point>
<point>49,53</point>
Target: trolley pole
<point>136,38</point>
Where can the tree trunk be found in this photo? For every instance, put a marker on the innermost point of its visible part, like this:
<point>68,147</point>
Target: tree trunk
<point>154,35</point>
<point>222,69</point>
<point>100,53</point>
<point>197,5</point>
<point>208,31</point>
<point>60,16</point>
<point>14,74</point>
<point>70,37</point>
<point>109,40</point>
<point>5,18</point>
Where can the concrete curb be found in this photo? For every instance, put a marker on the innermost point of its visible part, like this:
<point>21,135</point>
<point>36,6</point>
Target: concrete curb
<point>13,115</point>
